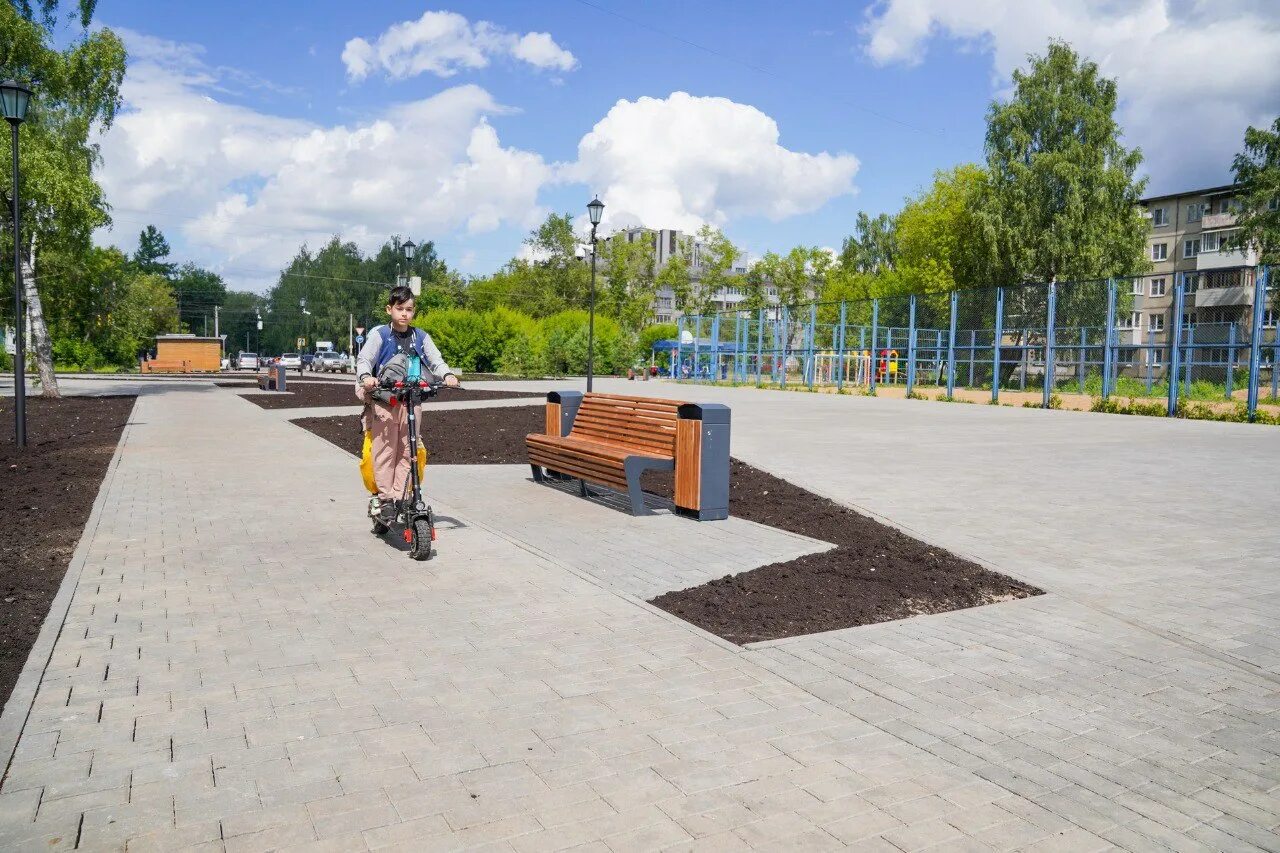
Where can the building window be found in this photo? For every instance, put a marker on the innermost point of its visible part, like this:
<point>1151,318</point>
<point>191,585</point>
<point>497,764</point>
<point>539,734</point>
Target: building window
<point>1190,248</point>
<point>1157,357</point>
<point>1137,287</point>
<point>1155,322</point>
<point>1274,204</point>
<point>1188,319</point>
<point>1159,251</point>
<point>663,318</point>
<point>1129,322</point>
<point>1126,354</point>
<point>1195,211</point>
<point>1269,318</point>
<point>1159,216</point>
<point>1157,287</point>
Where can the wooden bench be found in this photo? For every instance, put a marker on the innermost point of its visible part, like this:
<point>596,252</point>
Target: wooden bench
<point>611,439</point>
<point>268,381</point>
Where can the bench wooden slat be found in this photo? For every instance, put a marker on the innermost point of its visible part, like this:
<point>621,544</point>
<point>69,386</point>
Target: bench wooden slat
<point>674,404</point>
<point>637,428</point>
<point>631,446</point>
<point>611,452</point>
<point>583,470</point>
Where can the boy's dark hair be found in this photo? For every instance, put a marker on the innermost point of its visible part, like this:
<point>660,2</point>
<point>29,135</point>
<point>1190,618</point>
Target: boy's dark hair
<point>399,295</point>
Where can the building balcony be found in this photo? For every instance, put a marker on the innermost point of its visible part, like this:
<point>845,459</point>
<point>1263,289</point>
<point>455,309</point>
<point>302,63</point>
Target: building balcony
<point>1210,221</point>
<point>1223,259</point>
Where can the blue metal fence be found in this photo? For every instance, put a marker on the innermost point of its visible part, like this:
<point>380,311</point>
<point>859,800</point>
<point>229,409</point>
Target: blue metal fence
<point>1182,336</point>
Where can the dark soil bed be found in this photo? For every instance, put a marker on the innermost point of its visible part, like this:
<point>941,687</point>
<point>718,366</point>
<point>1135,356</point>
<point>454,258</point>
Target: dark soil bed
<point>875,573</point>
<point>310,395</point>
<point>453,436</point>
<point>48,492</point>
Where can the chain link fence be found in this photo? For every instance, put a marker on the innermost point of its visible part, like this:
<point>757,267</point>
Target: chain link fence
<point>1171,338</point>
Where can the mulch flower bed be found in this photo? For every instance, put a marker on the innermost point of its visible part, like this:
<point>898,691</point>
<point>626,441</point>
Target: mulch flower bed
<point>453,436</point>
<point>875,573</point>
<point>308,395</point>
<point>48,490</point>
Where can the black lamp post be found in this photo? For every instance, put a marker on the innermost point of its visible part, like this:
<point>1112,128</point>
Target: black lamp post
<point>595,209</point>
<point>14,98</point>
<point>408,249</point>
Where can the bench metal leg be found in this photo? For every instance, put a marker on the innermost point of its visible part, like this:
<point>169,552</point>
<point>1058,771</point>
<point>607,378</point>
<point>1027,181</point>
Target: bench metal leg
<point>537,473</point>
<point>582,489</point>
<point>634,466</point>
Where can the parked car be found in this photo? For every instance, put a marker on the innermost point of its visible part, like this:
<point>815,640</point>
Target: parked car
<point>290,361</point>
<point>331,362</point>
<point>308,358</point>
<point>247,361</point>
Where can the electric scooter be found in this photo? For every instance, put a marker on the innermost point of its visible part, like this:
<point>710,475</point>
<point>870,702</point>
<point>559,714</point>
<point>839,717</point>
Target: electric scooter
<point>411,510</point>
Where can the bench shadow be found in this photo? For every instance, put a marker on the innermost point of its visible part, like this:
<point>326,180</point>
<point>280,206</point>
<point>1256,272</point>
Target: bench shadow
<point>606,497</point>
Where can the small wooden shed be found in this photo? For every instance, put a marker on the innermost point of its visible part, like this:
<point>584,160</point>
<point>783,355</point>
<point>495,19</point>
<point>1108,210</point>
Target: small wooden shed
<point>185,354</point>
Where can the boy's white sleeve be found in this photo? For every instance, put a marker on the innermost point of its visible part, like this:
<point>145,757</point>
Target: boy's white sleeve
<point>435,361</point>
<point>368,354</point>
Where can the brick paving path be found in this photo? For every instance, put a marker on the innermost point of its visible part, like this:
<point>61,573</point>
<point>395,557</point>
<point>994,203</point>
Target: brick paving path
<point>243,667</point>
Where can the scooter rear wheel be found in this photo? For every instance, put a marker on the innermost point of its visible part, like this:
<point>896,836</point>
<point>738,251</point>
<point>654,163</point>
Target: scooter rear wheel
<point>420,544</point>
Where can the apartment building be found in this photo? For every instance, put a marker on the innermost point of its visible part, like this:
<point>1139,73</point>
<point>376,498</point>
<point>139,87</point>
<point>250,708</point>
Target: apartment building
<point>669,243</point>
<point>1188,238</point>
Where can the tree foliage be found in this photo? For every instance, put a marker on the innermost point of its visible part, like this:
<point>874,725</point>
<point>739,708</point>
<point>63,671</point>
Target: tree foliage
<point>1257,171</point>
<point>1062,200</point>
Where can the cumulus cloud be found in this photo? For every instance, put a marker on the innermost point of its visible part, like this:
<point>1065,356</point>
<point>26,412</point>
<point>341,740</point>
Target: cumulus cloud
<point>1192,75</point>
<point>245,188</point>
<point>444,43</point>
<point>682,161</point>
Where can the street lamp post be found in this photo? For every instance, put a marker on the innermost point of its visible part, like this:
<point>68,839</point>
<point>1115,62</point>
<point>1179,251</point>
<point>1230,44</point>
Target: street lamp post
<point>409,250</point>
<point>595,209</point>
<point>14,97</point>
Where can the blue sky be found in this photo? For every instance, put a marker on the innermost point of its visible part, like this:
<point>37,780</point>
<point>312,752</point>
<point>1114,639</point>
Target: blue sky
<point>237,109</point>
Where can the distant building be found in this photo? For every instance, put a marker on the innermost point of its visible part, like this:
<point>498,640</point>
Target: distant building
<point>1189,232</point>
<point>669,243</point>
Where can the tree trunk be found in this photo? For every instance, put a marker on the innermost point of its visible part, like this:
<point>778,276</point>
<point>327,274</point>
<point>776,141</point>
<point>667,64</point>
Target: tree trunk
<point>39,331</point>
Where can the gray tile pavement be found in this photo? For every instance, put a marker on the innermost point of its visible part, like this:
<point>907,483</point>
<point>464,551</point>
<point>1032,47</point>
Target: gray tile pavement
<point>244,667</point>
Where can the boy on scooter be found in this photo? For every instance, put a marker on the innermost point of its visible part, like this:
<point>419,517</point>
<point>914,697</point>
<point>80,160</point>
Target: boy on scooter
<point>390,425</point>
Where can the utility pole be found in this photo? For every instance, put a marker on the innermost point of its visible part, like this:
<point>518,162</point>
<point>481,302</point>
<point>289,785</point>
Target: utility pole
<point>351,335</point>
<point>215,322</point>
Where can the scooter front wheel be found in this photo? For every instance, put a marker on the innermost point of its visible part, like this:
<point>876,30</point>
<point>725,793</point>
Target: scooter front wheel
<point>421,534</point>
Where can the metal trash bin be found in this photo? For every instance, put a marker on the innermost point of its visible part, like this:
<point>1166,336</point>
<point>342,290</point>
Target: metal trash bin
<point>705,497</point>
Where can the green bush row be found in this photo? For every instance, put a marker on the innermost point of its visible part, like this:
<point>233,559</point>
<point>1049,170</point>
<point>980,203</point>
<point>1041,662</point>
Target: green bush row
<point>502,340</point>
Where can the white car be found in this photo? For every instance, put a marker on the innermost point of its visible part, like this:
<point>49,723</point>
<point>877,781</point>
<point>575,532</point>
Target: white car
<point>291,361</point>
<point>330,362</point>
<point>247,361</point>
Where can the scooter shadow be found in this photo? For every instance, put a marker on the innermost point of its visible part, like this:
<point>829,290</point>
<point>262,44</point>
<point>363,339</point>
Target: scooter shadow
<point>395,536</point>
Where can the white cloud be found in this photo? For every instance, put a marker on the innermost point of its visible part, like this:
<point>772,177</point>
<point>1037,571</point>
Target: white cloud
<point>682,161</point>
<point>244,189</point>
<point>444,43</point>
<point>1192,75</point>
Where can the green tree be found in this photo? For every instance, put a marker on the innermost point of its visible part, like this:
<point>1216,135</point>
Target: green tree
<point>76,95</point>
<point>198,290</point>
<point>1063,200</point>
<point>674,276</point>
<point>628,291</point>
<point>1257,171</point>
<point>152,250</point>
<point>715,274</point>
<point>872,246</point>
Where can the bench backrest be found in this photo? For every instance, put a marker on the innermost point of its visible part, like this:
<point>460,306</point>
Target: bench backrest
<point>643,424</point>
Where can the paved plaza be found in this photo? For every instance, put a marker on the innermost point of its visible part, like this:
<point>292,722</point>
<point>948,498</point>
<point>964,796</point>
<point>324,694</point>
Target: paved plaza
<point>236,664</point>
